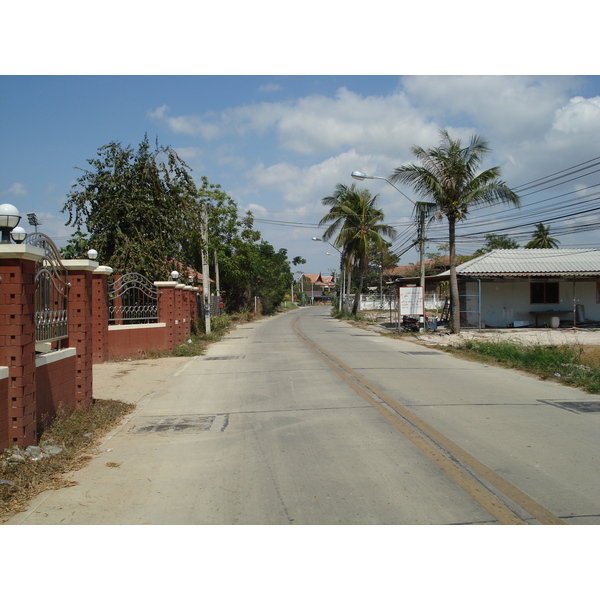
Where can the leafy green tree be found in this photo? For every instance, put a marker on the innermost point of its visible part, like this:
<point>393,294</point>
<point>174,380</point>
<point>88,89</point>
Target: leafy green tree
<point>143,210</point>
<point>357,224</point>
<point>77,246</point>
<point>495,242</point>
<point>137,206</point>
<point>381,260</point>
<point>541,238</point>
<point>448,177</point>
<point>248,265</point>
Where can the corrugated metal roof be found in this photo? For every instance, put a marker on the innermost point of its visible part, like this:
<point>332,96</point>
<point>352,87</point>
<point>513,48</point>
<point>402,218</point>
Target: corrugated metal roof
<point>523,262</point>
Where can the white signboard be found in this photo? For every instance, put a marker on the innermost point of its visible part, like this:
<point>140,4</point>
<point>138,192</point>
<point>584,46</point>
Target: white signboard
<point>411,300</point>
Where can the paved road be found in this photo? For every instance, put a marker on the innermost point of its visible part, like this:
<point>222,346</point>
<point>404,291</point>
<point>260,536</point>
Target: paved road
<point>301,419</point>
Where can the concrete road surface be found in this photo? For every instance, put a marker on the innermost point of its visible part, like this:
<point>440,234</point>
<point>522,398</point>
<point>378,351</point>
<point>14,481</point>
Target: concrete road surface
<point>301,419</point>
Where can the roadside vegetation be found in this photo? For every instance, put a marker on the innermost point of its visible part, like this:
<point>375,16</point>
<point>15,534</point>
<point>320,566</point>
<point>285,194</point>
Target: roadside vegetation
<point>76,433</point>
<point>347,315</point>
<point>573,365</point>
<point>138,206</point>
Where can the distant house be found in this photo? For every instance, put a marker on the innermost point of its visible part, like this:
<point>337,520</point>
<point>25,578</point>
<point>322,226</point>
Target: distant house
<point>321,286</point>
<point>527,287</point>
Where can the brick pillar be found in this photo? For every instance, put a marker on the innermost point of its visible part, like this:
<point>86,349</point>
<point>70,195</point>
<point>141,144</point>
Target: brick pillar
<point>18,418</point>
<point>80,325</point>
<point>180,325</point>
<point>100,314</point>
<point>166,308</point>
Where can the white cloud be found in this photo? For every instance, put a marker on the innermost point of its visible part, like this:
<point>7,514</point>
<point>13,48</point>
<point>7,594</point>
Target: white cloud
<point>302,188</point>
<point>579,116</point>
<point>316,141</point>
<point>506,106</point>
<point>270,87</point>
<point>317,124</point>
<point>17,190</point>
<point>187,124</point>
<point>256,209</point>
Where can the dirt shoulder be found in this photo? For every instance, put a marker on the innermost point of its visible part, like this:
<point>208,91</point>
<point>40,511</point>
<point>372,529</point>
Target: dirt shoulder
<point>131,380</point>
<point>542,337</point>
<point>530,336</point>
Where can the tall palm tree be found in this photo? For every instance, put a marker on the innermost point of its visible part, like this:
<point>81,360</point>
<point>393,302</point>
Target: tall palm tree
<point>356,220</point>
<point>541,238</point>
<point>448,177</point>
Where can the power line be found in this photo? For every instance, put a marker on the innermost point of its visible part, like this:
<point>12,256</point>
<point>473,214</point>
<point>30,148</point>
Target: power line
<point>546,179</point>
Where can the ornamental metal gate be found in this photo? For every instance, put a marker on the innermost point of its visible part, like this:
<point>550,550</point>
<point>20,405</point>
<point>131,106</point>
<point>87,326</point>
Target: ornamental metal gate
<point>132,299</point>
<point>51,291</point>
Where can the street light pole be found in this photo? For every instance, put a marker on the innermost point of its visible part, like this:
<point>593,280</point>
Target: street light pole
<point>205,269</point>
<point>421,231</point>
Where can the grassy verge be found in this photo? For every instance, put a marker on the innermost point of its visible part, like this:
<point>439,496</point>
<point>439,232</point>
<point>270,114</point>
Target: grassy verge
<point>347,315</point>
<point>573,365</point>
<point>77,433</point>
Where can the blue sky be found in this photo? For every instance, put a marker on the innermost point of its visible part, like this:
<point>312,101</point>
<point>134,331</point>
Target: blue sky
<point>279,144</point>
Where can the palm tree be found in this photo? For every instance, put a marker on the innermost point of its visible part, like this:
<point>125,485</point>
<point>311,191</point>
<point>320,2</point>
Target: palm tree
<point>359,228</point>
<point>448,178</point>
<point>541,238</point>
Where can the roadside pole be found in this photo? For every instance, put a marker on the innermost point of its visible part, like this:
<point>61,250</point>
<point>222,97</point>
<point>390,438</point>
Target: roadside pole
<point>205,270</point>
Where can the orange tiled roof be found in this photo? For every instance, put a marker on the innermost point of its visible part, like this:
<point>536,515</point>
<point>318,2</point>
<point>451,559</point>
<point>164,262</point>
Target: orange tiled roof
<point>318,279</point>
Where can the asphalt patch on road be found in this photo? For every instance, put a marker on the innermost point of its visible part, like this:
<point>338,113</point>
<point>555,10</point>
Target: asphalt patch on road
<point>576,407</point>
<point>187,424</point>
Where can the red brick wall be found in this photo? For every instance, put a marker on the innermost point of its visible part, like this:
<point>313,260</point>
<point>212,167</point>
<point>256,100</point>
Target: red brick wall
<point>55,384</point>
<point>130,342</point>
<point>17,348</point>
<point>29,393</point>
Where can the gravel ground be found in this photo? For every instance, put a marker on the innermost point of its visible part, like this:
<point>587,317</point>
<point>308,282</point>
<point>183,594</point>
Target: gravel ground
<point>542,336</point>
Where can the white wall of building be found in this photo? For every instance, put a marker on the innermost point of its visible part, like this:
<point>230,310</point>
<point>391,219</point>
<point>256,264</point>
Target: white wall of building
<point>505,302</point>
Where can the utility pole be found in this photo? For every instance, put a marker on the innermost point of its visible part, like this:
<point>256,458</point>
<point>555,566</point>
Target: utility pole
<point>205,270</point>
<point>422,255</point>
<point>217,281</point>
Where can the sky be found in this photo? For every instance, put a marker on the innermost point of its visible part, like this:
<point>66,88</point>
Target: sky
<point>278,144</point>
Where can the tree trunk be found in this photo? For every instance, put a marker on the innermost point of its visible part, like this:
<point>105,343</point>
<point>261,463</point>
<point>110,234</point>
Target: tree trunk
<point>454,298</point>
<point>358,292</point>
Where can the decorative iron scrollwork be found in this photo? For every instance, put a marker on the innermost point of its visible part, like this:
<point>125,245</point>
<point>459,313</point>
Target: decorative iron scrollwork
<point>51,291</point>
<point>132,298</point>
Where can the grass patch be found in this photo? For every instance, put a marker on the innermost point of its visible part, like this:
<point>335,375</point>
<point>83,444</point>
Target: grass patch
<point>346,315</point>
<point>571,364</point>
<point>77,432</point>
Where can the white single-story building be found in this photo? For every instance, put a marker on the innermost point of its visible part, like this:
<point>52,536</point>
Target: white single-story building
<point>527,287</point>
